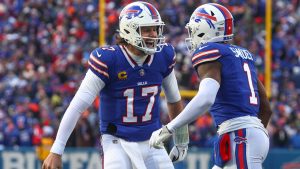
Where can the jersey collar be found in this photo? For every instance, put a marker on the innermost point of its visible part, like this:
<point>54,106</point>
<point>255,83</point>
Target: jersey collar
<point>131,61</point>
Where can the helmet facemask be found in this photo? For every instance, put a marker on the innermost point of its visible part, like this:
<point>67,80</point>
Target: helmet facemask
<point>150,45</point>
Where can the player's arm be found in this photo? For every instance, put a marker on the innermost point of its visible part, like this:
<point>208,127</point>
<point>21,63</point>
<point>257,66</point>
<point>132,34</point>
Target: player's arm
<point>265,111</point>
<point>210,78</point>
<point>84,97</point>
<point>173,97</point>
<point>181,135</point>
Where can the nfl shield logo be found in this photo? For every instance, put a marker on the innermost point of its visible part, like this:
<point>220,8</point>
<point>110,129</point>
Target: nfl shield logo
<point>142,72</point>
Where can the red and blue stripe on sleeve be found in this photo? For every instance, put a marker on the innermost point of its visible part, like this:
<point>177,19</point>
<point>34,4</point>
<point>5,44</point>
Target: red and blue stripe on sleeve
<point>99,67</point>
<point>205,56</point>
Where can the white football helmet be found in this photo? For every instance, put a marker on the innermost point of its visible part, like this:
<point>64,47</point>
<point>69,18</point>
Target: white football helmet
<point>136,15</point>
<point>209,23</point>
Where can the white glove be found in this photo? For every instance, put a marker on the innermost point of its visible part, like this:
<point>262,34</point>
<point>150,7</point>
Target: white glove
<point>159,136</point>
<point>178,153</point>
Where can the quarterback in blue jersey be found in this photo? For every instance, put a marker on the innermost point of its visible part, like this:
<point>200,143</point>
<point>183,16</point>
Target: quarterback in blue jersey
<point>228,88</point>
<point>129,77</point>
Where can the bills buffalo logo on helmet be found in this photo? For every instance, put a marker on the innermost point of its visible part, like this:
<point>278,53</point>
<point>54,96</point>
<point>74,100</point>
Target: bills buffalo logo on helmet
<point>202,14</point>
<point>132,12</point>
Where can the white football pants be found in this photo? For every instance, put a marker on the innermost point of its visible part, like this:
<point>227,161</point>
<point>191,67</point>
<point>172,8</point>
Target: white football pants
<point>118,153</point>
<point>249,153</point>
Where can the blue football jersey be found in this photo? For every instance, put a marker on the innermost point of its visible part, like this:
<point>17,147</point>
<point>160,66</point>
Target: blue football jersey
<point>238,93</point>
<point>130,100</point>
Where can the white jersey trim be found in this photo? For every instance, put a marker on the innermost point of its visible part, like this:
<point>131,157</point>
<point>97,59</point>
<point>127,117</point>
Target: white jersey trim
<point>127,57</point>
<point>239,123</point>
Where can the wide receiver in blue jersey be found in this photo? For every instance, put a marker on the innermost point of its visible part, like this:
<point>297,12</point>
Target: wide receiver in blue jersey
<point>129,78</point>
<point>228,88</point>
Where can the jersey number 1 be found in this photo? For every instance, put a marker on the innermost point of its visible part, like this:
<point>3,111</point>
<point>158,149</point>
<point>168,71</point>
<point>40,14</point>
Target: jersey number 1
<point>253,98</point>
<point>129,93</point>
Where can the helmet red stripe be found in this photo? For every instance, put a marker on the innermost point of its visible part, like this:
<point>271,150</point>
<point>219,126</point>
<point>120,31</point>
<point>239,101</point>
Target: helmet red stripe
<point>228,18</point>
<point>206,16</point>
<point>153,11</point>
<point>130,11</point>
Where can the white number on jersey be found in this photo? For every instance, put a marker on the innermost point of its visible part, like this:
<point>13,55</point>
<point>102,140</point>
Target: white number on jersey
<point>253,98</point>
<point>129,94</point>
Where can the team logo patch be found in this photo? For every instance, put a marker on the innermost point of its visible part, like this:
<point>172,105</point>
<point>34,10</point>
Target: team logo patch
<point>132,12</point>
<point>240,140</point>
<point>122,75</point>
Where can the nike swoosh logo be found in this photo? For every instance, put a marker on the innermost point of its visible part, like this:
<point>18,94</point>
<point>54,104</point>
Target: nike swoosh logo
<point>202,47</point>
<point>98,55</point>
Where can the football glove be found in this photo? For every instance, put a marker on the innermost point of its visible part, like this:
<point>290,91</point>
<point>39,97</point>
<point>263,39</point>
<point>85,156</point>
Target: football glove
<point>178,153</point>
<point>181,141</point>
<point>159,136</point>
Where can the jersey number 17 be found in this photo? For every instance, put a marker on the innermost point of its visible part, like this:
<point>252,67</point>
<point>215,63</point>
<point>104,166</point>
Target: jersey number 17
<point>129,94</point>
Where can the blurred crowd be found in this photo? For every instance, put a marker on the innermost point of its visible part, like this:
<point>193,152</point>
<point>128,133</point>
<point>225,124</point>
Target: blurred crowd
<point>45,44</point>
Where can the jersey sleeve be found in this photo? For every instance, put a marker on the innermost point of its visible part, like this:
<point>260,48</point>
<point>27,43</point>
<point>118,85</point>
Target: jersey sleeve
<point>170,56</point>
<point>99,63</point>
<point>205,53</point>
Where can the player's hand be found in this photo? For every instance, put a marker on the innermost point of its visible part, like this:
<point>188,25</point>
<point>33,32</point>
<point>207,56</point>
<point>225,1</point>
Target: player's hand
<point>159,136</point>
<point>178,153</point>
<point>53,161</point>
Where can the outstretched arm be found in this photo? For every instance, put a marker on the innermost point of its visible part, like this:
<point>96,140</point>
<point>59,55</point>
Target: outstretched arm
<point>265,111</point>
<point>84,97</point>
<point>210,77</point>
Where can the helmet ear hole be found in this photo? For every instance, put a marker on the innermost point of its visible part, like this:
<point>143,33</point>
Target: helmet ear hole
<point>201,35</point>
<point>126,31</point>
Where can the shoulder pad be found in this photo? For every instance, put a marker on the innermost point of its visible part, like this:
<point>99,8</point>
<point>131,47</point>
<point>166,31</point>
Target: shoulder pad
<point>100,59</point>
<point>109,50</point>
<point>169,56</point>
<point>169,51</point>
<point>205,53</point>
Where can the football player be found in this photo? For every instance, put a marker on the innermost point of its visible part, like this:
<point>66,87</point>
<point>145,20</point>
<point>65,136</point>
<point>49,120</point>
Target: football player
<point>228,88</point>
<point>129,78</point>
